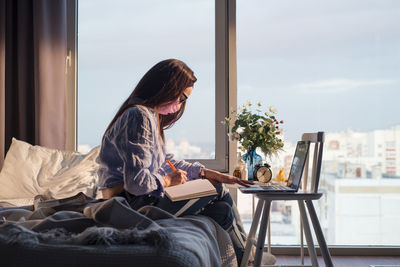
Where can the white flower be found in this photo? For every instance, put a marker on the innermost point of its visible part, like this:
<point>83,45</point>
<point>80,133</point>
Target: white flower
<point>234,136</point>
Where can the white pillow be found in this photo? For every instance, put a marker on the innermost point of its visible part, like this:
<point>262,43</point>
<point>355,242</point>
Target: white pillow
<point>32,170</point>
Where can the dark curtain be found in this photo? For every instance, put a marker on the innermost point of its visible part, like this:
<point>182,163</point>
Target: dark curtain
<point>2,82</point>
<point>33,49</point>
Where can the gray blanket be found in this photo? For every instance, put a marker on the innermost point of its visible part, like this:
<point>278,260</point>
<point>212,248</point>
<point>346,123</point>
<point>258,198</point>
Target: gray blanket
<point>82,221</point>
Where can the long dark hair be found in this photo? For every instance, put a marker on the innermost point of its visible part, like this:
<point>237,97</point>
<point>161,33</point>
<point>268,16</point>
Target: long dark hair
<point>163,83</point>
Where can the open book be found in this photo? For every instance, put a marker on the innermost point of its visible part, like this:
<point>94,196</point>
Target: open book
<point>191,189</point>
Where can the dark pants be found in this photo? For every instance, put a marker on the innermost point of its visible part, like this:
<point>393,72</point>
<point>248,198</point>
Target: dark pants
<point>220,208</point>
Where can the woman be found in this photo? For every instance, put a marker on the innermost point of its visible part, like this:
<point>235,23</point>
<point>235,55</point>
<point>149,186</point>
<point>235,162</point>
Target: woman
<point>133,157</point>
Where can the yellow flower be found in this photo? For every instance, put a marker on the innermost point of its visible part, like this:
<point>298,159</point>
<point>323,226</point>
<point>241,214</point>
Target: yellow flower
<point>273,110</point>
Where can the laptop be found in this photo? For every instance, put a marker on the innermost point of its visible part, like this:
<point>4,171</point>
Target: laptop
<point>295,174</point>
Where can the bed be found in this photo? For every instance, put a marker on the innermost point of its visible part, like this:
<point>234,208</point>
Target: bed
<point>52,215</point>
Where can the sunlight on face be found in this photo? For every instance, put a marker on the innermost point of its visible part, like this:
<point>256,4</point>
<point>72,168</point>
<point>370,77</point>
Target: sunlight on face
<point>188,91</point>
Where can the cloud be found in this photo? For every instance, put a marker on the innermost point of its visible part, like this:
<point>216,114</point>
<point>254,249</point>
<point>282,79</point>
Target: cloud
<point>335,86</point>
<point>84,148</point>
<point>185,150</point>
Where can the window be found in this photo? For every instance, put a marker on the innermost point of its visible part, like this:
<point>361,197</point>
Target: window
<point>120,40</point>
<point>329,66</point>
<point>332,67</point>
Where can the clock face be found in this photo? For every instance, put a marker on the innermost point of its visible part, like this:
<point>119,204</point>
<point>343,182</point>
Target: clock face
<point>263,174</point>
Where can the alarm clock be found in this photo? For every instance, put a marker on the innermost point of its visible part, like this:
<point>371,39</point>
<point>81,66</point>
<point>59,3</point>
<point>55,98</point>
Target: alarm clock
<point>262,173</point>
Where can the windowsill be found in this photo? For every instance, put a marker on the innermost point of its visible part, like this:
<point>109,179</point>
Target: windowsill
<point>336,250</point>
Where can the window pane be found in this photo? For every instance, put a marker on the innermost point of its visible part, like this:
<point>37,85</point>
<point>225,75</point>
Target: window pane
<point>333,67</point>
<point>120,40</point>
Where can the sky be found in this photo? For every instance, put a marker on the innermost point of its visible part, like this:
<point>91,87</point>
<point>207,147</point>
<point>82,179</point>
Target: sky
<point>324,65</point>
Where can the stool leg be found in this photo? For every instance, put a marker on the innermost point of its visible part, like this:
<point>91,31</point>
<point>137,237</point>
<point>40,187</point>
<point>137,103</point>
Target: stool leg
<point>250,238</point>
<point>307,232</point>
<point>301,242</point>
<point>262,233</point>
<point>318,232</point>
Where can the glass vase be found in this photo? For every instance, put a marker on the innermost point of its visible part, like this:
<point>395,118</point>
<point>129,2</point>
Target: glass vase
<point>252,159</point>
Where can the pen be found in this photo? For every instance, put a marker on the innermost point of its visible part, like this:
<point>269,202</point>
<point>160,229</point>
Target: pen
<point>172,166</point>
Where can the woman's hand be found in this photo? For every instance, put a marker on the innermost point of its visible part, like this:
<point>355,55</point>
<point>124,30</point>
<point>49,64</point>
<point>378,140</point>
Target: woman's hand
<point>175,178</point>
<point>216,177</point>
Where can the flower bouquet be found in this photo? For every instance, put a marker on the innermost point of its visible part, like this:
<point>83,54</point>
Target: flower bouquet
<point>253,129</point>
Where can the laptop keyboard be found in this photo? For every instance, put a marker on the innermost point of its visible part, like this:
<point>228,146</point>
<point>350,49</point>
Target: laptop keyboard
<point>276,187</point>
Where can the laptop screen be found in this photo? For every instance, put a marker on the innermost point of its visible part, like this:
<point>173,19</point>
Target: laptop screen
<point>298,163</point>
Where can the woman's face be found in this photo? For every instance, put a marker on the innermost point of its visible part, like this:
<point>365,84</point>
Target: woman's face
<point>188,91</point>
<point>185,94</point>
<point>174,106</point>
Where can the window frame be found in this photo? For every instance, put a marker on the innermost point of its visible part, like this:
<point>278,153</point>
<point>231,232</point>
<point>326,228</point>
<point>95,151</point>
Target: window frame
<point>225,85</point>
